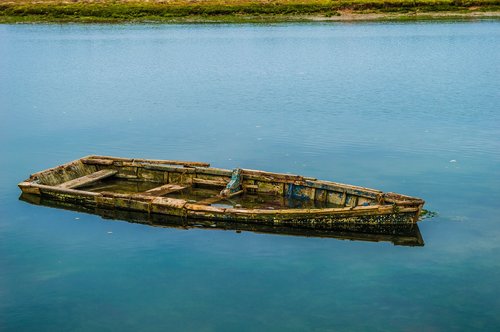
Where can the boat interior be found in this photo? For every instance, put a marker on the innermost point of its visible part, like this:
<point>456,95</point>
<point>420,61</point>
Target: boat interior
<point>197,182</point>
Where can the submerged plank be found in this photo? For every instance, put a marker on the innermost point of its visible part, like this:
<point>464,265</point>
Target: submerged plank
<point>163,190</point>
<point>210,200</point>
<point>217,198</point>
<point>88,179</point>
<point>210,182</point>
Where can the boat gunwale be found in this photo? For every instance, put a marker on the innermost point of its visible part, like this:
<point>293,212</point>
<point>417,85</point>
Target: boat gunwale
<point>166,165</point>
<point>379,209</point>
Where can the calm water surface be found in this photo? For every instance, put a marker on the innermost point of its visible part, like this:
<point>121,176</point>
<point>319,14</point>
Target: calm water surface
<point>411,108</point>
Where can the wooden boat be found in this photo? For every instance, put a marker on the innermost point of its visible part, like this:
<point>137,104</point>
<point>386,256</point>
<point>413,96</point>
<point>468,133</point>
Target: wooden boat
<point>398,234</point>
<point>194,190</point>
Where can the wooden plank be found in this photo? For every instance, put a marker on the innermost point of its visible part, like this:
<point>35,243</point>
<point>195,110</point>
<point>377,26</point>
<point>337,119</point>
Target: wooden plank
<point>165,168</point>
<point>217,198</point>
<point>27,188</point>
<point>97,161</point>
<point>344,198</point>
<point>402,199</point>
<point>67,191</point>
<point>210,182</point>
<point>203,208</point>
<point>214,171</point>
<point>153,161</point>
<point>341,187</point>
<point>235,194</point>
<point>250,186</point>
<point>269,176</point>
<point>276,176</point>
<point>172,162</point>
<point>163,190</point>
<point>210,200</point>
<point>88,179</point>
<point>169,206</point>
<point>56,168</point>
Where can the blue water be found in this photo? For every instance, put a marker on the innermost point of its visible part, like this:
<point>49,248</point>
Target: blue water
<point>410,108</point>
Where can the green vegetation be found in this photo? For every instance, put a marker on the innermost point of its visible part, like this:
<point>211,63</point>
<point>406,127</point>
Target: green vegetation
<point>240,10</point>
<point>426,214</point>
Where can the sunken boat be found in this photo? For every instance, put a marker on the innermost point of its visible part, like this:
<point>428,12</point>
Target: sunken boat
<point>398,234</point>
<point>196,191</point>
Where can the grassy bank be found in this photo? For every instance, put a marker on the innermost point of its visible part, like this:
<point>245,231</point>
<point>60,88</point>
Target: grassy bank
<point>15,11</point>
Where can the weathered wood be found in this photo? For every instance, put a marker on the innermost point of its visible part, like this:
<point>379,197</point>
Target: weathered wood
<point>163,190</point>
<point>364,205</point>
<point>172,162</point>
<point>172,202</point>
<point>204,212</point>
<point>213,171</point>
<point>166,168</point>
<point>333,185</point>
<point>72,192</point>
<point>125,171</point>
<point>210,200</point>
<point>286,211</point>
<point>270,177</point>
<point>131,203</point>
<point>402,199</point>
<point>408,209</point>
<point>374,209</point>
<point>151,175</point>
<point>48,170</point>
<point>169,206</point>
<point>219,197</point>
<point>353,201</point>
<point>63,173</point>
<point>209,182</point>
<point>276,176</point>
<point>340,187</point>
<point>136,196</point>
<point>344,198</point>
<point>320,195</point>
<point>97,161</point>
<point>28,188</point>
<point>370,208</point>
<point>203,208</point>
<point>402,234</point>
<point>88,179</point>
<point>404,203</point>
<point>152,161</point>
<point>235,194</point>
<point>127,176</point>
<point>105,202</point>
<point>419,211</point>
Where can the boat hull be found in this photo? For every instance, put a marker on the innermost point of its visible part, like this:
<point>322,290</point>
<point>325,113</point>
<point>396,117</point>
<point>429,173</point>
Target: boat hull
<point>351,204</point>
<point>401,234</point>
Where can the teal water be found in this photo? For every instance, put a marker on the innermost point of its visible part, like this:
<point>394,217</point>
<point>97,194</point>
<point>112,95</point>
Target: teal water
<point>410,108</point>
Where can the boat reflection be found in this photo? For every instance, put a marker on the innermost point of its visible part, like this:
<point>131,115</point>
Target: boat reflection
<point>401,235</point>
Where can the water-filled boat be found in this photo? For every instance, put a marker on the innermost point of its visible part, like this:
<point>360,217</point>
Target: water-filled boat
<point>397,234</point>
<point>196,191</point>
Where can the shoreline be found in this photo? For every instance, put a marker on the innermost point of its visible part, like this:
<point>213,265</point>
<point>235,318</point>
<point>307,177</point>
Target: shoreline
<point>346,18</point>
<point>243,11</point>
